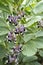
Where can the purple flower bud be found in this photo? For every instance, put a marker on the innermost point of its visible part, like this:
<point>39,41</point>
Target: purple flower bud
<point>11,36</point>
<point>22,28</point>
<point>15,56</point>
<point>10,33</point>
<point>11,59</point>
<point>13,19</point>
<point>17,49</point>
<point>17,31</point>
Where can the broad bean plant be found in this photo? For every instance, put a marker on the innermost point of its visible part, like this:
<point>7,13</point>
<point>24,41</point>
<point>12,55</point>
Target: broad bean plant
<point>21,32</point>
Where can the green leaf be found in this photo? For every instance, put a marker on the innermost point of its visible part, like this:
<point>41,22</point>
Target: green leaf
<point>2,43</point>
<point>41,53</point>
<point>2,22</point>
<point>38,8</point>
<point>39,34</point>
<point>29,49</point>
<point>28,37</point>
<point>2,37</point>
<point>33,63</point>
<point>3,51</point>
<point>4,7</point>
<point>3,30</point>
<point>1,63</point>
<point>38,42</point>
<point>10,44</point>
<point>32,20</point>
<point>10,7</point>
<point>29,59</point>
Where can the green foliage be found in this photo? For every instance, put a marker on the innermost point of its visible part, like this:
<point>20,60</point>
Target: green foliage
<point>3,51</point>
<point>31,39</point>
<point>29,49</point>
<point>38,8</point>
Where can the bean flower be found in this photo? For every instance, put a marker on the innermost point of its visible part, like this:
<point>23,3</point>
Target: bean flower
<point>19,29</point>
<point>13,19</point>
<point>11,36</point>
<point>14,57</point>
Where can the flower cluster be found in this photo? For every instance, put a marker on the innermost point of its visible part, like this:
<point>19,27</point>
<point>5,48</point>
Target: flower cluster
<point>17,49</point>
<point>12,37</point>
<point>14,19</point>
<point>19,29</point>
<point>15,53</point>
